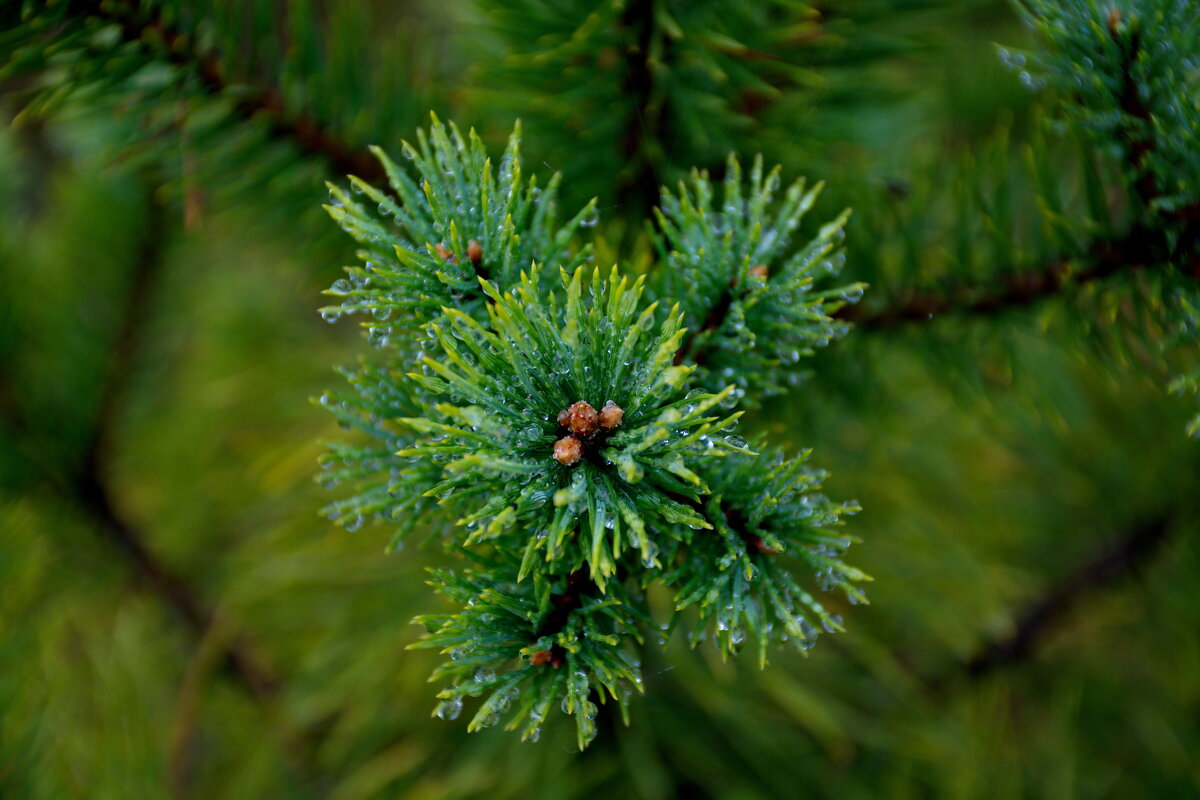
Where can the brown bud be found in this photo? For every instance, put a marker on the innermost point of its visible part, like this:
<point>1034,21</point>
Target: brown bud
<point>1114,19</point>
<point>611,415</point>
<point>580,418</point>
<point>760,546</point>
<point>540,659</point>
<point>443,253</point>
<point>568,450</point>
<point>759,271</point>
<point>474,252</point>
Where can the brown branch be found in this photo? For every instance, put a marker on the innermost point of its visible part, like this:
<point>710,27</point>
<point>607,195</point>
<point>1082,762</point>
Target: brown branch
<point>640,190</point>
<point>1135,251</point>
<point>1012,292</point>
<point>1105,568</point>
<point>1141,248</point>
<point>716,318</point>
<point>91,491</point>
<point>1138,137</point>
<point>302,128</point>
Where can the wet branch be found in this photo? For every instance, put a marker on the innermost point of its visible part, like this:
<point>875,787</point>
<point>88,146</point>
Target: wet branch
<point>1106,568</point>
<point>310,135</point>
<point>1141,247</point>
<point>644,126</point>
<point>89,485</point>
<point>89,488</point>
<point>1012,292</point>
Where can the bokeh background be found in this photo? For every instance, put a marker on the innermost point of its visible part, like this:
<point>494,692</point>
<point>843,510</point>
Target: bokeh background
<point>177,620</point>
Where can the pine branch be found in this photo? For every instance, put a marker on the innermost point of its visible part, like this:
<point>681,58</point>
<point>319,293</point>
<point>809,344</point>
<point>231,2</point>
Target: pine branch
<point>1138,250</point>
<point>640,190</point>
<point>90,489</point>
<point>1111,564</point>
<point>92,492</point>
<point>310,135</point>
<point>1140,144</point>
<point>39,154</point>
<point>1014,291</point>
<point>1156,238</point>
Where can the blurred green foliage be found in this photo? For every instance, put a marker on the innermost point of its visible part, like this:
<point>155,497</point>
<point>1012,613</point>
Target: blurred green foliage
<point>159,346</point>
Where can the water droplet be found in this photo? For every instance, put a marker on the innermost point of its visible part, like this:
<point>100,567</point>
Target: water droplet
<point>649,555</point>
<point>588,730</point>
<point>505,700</point>
<point>450,709</point>
<point>484,675</point>
<point>725,618</point>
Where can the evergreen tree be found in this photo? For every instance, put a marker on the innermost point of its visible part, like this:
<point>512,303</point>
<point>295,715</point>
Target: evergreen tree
<point>603,342</point>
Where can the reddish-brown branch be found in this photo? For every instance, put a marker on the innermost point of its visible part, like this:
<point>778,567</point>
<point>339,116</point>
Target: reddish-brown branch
<point>639,189</point>
<point>1015,291</point>
<point>90,488</point>
<point>1112,563</point>
<point>299,126</point>
<point>1141,248</point>
<point>716,318</point>
<point>579,587</point>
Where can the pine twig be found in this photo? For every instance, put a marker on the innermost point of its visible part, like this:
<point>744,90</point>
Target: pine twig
<point>641,189</point>
<point>1141,248</point>
<point>1105,568</point>
<point>1015,291</point>
<point>91,489</point>
<point>301,127</point>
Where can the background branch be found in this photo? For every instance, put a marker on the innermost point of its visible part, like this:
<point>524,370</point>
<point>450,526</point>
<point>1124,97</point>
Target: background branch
<point>640,190</point>
<point>89,488</point>
<point>309,134</point>
<point>1112,563</point>
<point>1141,248</point>
<point>89,485</point>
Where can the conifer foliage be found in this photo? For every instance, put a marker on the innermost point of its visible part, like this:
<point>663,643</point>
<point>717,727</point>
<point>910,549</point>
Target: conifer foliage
<point>576,440</point>
<point>591,415</point>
